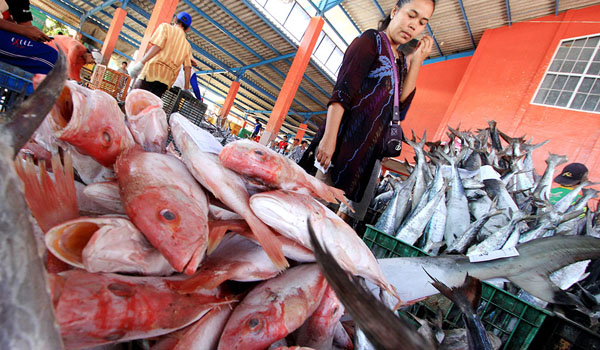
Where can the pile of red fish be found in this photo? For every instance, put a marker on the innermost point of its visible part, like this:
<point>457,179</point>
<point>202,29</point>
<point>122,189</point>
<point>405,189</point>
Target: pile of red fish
<point>146,245</point>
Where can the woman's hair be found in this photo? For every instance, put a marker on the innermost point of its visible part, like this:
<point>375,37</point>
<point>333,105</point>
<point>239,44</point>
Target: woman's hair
<point>384,23</point>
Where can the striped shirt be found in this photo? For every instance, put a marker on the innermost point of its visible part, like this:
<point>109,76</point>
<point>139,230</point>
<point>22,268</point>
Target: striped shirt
<point>175,51</point>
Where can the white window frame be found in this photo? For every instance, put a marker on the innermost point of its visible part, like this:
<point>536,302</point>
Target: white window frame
<point>581,76</point>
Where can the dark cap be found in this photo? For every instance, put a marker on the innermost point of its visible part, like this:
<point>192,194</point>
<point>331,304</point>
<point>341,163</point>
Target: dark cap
<point>572,174</point>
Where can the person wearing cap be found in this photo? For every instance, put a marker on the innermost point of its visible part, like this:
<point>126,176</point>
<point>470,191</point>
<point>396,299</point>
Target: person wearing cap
<point>170,49</point>
<point>569,178</point>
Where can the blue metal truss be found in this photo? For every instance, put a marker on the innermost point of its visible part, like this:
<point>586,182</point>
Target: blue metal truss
<point>556,8</point>
<point>329,23</point>
<point>435,40</point>
<point>250,66</point>
<point>462,9</point>
<point>351,20</point>
<point>255,35</point>
<point>74,28</point>
<point>508,13</point>
<point>383,15</point>
<point>245,46</point>
<point>326,5</point>
<point>97,9</point>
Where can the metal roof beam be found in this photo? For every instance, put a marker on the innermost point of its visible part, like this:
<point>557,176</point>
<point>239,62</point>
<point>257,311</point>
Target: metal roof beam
<point>74,9</point>
<point>278,31</point>
<point>556,8</point>
<point>462,9</point>
<point>245,46</point>
<point>255,35</point>
<point>383,15</point>
<point>435,40</point>
<point>327,21</point>
<point>123,6</point>
<point>351,20</point>
<point>326,5</point>
<point>97,9</point>
<point>73,27</point>
<point>508,12</point>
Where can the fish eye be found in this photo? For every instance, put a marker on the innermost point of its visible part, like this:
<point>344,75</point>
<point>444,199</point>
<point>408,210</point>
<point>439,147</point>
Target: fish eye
<point>259,152</point>
<point>167,215</point>
<point>106,139</point>
<point>255,324</point>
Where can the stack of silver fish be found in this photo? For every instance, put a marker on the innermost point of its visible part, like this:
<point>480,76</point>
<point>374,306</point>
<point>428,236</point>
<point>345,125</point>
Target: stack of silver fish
<point>478,194</point>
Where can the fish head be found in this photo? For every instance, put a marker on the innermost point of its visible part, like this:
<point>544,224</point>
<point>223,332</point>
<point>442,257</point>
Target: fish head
<point>139,101</point>
<point>253,160</point>
<point>91,121</point>
<point>257,329</point>
<point>165,203</point>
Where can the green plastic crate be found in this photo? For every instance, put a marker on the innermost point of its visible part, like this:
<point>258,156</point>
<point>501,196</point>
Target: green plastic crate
<point>513,320</point>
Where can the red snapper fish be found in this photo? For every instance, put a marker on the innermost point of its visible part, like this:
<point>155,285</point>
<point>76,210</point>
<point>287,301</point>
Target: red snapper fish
<point>198,149</point>
<point>94,309</point>
<point>288,213</point>
<point>106,244</point>
<point>91,121</point>
<point>270,168</point>
<point>204,334</point>
<point>166,204</point>
<point>237,259</point>
<point>318,331</point>
<point>274,309</point>
<point>147,120</point>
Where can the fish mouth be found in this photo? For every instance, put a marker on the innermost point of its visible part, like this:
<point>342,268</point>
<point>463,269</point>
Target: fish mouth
<point>141,101</point>
<point>64,107</point>
<point>68,241</point>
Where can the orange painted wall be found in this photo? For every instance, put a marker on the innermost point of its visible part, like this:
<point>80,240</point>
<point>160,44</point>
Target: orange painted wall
<point>436,86</point>
<point>502,78</point>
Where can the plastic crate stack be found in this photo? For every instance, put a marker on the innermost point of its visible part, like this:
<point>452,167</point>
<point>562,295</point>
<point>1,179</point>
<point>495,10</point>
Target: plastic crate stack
<point>513,320</point>
<point>183,102</point>
<point>110,81</point>
<point>14,83</point>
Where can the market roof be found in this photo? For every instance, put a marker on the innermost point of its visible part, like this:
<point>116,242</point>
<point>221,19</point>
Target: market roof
<point>254,41</point>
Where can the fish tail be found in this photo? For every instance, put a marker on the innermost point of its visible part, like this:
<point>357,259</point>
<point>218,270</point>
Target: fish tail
<point>203,279</point>
<point>268,241</point>
<point>218,229</point>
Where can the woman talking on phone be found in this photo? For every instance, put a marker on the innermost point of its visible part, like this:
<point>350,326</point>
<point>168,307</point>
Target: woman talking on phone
<point>366,94</point>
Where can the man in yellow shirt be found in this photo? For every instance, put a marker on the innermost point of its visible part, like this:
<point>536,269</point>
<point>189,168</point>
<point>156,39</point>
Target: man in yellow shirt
<point>170,49</point>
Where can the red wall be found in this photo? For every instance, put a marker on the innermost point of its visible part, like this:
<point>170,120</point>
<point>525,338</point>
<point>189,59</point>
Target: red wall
<point>436,86</point>
<point>500,81</point>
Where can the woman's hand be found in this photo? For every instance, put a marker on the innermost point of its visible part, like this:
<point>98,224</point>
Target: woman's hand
<point>325,150</point>
<point>423,50</point>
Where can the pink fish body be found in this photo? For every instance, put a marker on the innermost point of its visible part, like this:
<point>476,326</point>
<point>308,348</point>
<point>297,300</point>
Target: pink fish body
<point>166,204</point>
<point>147,120</point>
<point>95,309</point>
<point>204,334</point>
<point>288,212</point>
<point>318,331</point>
<point>197,147</point>
<point>266,166</point>
<point>91,121</point>
<point>274,308</point>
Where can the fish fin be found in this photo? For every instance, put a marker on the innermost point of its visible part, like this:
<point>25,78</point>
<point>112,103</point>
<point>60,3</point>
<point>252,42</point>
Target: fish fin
<point>218,229</point>
<point>51,202</point>
<point>203,279</point>
<point>268,241</point>
<point>542,287</point>
<point>370,314</point>
<point>466,297</point>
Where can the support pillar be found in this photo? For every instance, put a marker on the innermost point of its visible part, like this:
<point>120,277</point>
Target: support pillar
<point>293,79</point>
<point>162,13</point>
<point>235,86</point>
<point>301,131</point>
<point>113,35</point>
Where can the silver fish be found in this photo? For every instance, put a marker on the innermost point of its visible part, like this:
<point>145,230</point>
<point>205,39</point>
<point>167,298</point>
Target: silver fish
<point>414,226</point>
<point>419,171</point>
<point>530,270</point>
<point>542,189</point>
<point>27,319</point>
<point>458,218</point>
<point>463,241</point>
